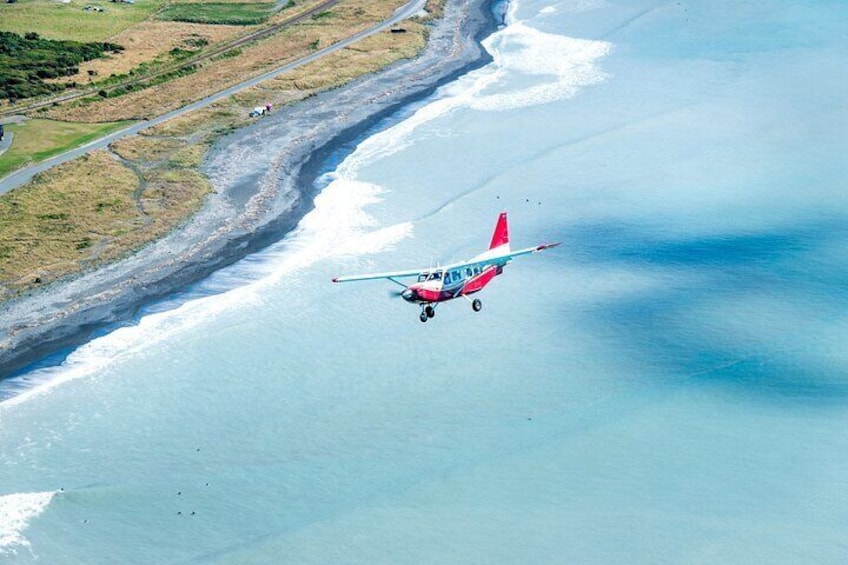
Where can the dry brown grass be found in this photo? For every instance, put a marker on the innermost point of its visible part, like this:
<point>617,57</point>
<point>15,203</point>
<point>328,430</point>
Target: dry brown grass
<point>151,149</point>
<point>171,196</point>
<point>345,19</point>
<point>94,210</point>
<point>217,118</point>
<point>67,218</point>
<point>148,40</point>
<point>435,9</point>
<point>336,69</point>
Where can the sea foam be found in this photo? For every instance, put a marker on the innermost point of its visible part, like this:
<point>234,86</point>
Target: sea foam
<point>16,512</point>
<point>561,66</point>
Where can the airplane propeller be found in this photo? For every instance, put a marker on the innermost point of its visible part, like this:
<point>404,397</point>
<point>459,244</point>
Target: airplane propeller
<point>406,293</point>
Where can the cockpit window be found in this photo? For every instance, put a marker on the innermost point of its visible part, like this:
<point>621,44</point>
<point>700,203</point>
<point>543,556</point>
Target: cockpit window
<point>422,277</point>
<point>447,278</point>
<point>437,276</point>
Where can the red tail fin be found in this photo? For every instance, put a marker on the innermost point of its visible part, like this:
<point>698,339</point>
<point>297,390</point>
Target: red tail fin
<point>501,235</point>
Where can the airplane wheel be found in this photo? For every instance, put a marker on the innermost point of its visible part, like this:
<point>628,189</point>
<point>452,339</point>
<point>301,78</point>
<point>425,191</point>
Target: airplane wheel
<point>423,317</point>
<point>477,305</point>
<point>430,311</point>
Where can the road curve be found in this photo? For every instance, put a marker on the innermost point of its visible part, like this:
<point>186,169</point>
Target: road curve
<point>22,176</point>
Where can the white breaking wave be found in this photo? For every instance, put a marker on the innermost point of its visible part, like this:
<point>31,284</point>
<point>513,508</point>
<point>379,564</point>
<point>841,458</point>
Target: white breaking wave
<point>559,66</point>
<point>16,511</point>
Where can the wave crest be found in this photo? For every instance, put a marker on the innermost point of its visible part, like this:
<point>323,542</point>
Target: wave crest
<point>558,65</point>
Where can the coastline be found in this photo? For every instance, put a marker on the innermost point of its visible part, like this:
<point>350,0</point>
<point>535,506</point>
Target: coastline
<point>263,190</point>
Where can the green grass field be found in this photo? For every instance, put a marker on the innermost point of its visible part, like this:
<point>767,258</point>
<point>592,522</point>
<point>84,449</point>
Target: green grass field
<point>55,20</point>
<point>36,140</point>
<point>218,13</point>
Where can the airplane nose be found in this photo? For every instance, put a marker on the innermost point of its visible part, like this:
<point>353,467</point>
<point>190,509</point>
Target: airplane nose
<point>409,295</point>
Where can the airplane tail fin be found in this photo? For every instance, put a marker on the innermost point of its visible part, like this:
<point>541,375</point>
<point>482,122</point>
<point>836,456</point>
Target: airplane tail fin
<point>501,235</point>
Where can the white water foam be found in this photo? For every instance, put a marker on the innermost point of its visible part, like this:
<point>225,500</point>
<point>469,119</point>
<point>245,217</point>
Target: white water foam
<point>559,65</point>
<point>16,512</point>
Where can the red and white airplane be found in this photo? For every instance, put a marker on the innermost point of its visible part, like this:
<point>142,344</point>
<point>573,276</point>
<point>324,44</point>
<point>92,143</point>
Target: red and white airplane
<point>458,279</point>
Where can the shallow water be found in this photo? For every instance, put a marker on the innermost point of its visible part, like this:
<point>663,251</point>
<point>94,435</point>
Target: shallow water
<point>669,385</point>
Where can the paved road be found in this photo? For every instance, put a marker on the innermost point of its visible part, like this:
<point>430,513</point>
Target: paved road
<point>22,176</point>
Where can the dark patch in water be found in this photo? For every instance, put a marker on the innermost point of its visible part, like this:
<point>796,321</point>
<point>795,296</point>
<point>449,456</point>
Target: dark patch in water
<point>657,327</point>
<point>635,244</point>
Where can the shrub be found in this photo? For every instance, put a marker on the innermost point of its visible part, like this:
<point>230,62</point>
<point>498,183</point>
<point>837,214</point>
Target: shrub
<point>27,61</point>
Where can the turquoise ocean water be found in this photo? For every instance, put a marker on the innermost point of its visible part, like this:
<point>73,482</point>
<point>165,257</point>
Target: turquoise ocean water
<point>668,386</point>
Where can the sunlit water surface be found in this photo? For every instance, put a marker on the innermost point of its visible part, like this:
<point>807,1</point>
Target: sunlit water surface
<point>670,385</point>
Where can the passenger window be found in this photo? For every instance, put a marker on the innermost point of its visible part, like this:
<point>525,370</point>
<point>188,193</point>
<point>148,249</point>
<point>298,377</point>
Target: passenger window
<point>447,278</point>
<point>468,272</point>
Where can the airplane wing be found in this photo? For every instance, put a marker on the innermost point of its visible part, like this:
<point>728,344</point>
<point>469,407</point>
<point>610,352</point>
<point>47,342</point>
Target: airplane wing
<point>526,251</point>
<point>373,276</point>
<point>480,260</point>
<point>489,258</point>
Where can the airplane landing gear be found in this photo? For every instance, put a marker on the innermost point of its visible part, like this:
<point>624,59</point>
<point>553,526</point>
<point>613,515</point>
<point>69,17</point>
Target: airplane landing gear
<point>427,312</point>
<point>476,305</point>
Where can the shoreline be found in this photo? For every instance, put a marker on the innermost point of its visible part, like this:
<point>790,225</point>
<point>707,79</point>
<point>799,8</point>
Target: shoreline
<point>262,194</point>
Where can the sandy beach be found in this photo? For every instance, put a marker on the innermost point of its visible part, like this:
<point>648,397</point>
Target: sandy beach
<point>264,179</point>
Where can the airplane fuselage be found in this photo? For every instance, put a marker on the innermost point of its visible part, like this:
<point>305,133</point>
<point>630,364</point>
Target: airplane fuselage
<point>446,284</point>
